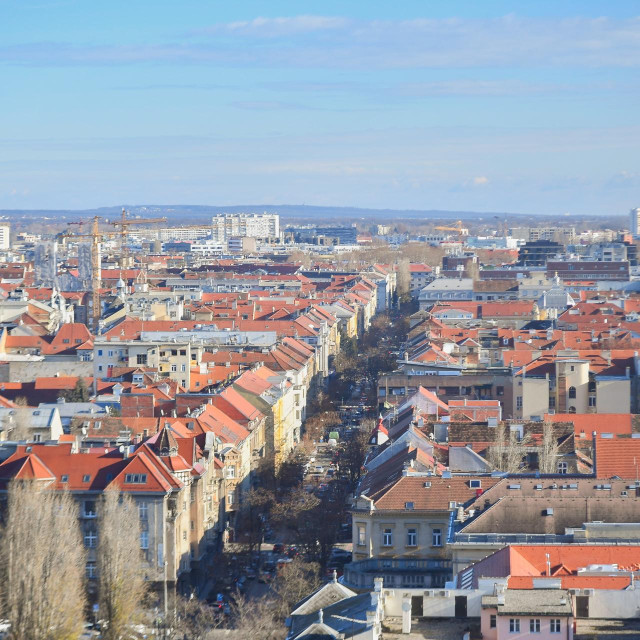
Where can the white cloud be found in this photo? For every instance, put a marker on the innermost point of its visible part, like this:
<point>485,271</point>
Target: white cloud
<point>277,27</point>
<point>480,181</point>
<point>336,42</point>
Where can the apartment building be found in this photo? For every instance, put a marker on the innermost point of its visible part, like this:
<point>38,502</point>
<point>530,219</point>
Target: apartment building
<point>253,225</point>
<point>569,383</point>
<point>172,358</point>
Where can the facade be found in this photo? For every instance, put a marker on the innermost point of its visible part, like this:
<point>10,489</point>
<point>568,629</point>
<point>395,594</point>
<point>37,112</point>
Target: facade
<point>446,289</point>
<point>253,225</point>
<point>527,614</point>
<point>535,253</point>
<point>588,270</point>
<point>176,234</point>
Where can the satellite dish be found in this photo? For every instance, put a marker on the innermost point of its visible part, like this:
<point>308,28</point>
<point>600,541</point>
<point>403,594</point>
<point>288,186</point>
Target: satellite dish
<point>121,448</point>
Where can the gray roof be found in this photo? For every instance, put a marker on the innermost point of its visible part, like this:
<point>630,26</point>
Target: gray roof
<point>349,616</point>
<point>546,602</point>
<point>321,598</point>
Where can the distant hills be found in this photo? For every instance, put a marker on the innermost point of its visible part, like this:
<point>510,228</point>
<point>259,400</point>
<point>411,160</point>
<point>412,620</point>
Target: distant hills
<point>184,212</point>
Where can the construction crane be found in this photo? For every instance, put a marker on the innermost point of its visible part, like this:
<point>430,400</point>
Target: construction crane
<point>457,227</point>
<point>95,235</point>
<point>124,223</point>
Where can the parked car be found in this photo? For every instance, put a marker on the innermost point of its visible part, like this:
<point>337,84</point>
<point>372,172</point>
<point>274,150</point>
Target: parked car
<point>278,547</point>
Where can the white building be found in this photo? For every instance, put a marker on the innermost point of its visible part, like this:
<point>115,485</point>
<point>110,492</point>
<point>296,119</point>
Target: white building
<point>183,233</point>
<point>634,222</point>
<point>5,233</point>
<point>207,247</point>
<point>253,225</point>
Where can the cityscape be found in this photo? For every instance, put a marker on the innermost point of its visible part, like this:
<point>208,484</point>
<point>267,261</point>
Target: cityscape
<point>406,408</point>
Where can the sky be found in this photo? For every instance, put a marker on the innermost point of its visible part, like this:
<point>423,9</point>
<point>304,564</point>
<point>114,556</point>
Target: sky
<point>475,105</point>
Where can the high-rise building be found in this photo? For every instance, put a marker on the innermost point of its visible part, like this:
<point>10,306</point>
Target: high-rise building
<point>634,222</point>
<point>250,225</point>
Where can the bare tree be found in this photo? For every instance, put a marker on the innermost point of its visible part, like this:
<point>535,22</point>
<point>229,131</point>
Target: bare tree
<point>196,618</point>
<point>508,450</point>
<point>295,581</point>
<point>42,565</point>
<point>256,619</point>
<point>548,455</point>
<point>121,585</point>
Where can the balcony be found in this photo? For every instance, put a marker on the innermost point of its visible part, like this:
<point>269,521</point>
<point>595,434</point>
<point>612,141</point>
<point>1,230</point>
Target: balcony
<point>398,572</point>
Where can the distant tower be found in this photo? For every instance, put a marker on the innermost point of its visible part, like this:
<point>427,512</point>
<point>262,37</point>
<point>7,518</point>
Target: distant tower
<point>634,222</point>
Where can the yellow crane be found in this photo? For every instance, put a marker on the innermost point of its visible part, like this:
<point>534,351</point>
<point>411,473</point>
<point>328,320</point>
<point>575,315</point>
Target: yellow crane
<point>124,223</point>
<point>457,227</point>
<point>95,235</point>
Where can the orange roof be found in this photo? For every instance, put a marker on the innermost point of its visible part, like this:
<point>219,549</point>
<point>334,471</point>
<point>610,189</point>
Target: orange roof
<point>617,457</point>
<point>586,423</point>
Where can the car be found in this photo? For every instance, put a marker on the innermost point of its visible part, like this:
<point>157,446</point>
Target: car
<point>292,551</point>
<point>278,547</point>
<point>318,469</point>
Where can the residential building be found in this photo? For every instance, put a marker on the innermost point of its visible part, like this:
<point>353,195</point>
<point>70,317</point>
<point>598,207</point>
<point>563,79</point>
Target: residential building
<point>528,614</point>
<point>253,225</point>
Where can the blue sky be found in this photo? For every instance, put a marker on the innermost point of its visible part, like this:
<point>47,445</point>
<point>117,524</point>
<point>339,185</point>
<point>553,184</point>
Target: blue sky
<point>502,106</point>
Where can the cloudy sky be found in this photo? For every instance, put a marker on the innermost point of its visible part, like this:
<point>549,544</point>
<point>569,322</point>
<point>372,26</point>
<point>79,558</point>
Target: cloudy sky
<point>479,105</point>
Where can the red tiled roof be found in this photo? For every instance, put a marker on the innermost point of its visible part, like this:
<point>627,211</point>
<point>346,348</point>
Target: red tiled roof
<point>617,457</point>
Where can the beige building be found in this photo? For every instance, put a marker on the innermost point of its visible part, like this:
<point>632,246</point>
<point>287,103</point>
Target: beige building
<point>568,384</point>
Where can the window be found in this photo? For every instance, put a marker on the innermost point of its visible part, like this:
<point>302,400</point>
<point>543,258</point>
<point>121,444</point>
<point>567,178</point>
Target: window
<point>387,538</point>
<point>90,509</point>
<point>592,401</point>
<point>174,367</point>
<point>90,570</point>
<point>65,341</point>
<point>514,625</point>
<point>534,625</point>
<point>563,467</point>
<point>475,484</point>
<point>183,352</point>
<point>230,497</point>
<point>362,534</point>
<point>492,621</point>
<point>572,392</point>
<point>86,478</point>
<point>412,538</point>
<point>144,539</point>
<point>143,510</point>
<point>99,352</point>
<point>436,538</point>
<point>409,506</point>
<point>184,535</point>
<point>518,402</point>
<point>141,358</point>
<point>64,478</point>
<point>90,539</point>
<point>453,504</point>
<point>183,368</point>
<point>555,625</point>
<point>135,478</point>
<point>231,472</point>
